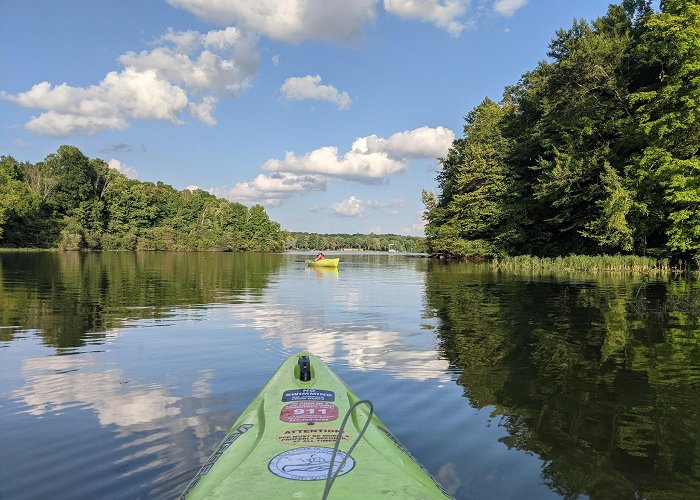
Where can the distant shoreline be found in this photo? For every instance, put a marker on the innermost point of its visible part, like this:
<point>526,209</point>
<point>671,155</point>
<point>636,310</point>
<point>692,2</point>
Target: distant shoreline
<point>624,264</point>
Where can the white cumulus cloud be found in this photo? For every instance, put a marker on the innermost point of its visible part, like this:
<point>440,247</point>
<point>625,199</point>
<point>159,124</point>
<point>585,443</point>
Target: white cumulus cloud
<point>221,61</point>
<point>129,94</point>
<point>508,7</point>
<point>63,124</point>
<point>423,142</point>
<point>443,13</point>
<point>352,207</point>
<point>417,229</point>
<point>154,85</point>
<point>354,165</point>
<point>356,207</point>
<point>309,87</point>
<point>371,159</point>
<point>396,202</point>
<point>288,20</point>
<point>271,189</point>
<point>203,109</point>
<point>122,168</point>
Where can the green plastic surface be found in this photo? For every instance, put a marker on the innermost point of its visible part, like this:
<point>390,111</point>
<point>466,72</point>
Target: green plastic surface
<point>280,446</point>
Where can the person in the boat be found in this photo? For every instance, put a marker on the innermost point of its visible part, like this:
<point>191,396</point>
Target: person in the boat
<point>320,256</point>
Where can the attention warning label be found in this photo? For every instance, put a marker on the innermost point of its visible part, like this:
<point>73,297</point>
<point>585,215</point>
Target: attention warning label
<point>312,436</point>
<point>309,411</point>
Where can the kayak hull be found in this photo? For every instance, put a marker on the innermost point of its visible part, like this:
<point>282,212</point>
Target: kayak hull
<point>323,263</point>
<point>281,446</point>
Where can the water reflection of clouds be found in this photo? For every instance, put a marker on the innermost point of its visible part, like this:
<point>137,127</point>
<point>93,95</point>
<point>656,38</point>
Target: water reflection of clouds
<point>56,384</point>
<point>116,400</point>
<point>155,426</point>
<point>362,348</point>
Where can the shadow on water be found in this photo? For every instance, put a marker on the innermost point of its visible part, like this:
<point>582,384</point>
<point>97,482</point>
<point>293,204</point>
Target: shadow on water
<point>68,297</point>
<point>599,377</point>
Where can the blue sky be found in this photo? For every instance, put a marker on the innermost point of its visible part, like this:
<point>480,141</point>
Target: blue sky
<point>331,113</point>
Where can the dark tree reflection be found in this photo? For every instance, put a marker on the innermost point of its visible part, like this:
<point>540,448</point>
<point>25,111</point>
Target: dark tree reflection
<point>599,377</point>
<point>68,297</point>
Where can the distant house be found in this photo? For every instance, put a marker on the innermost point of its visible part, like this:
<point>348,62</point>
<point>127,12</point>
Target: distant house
<point>391,248</point>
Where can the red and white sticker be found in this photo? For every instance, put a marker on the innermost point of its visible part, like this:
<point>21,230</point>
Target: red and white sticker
<point>309,411</point>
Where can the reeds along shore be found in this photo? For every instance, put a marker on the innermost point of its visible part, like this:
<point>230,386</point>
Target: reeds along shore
<point>599,263</point>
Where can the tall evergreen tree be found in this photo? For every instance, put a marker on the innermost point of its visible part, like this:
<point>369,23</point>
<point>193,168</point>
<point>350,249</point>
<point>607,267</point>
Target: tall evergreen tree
<point>476,211</point>
<point>583,123</point>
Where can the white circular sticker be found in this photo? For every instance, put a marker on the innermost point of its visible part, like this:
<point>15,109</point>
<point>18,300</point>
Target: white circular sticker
<point>308,464</point>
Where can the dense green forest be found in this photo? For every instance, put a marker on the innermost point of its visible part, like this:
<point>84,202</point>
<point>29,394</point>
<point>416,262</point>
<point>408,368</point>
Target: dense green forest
<point>373,242</point>
<point>73,202</point>
<point>594,151</point>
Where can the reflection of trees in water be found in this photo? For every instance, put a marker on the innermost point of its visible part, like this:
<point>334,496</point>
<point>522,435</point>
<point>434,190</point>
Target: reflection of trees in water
<point>600,379</point>
<point>68,296</point>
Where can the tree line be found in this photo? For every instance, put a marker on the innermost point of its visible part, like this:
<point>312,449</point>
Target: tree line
<point>594,151</point>
<point>372,242</point>
<point>73,202</point>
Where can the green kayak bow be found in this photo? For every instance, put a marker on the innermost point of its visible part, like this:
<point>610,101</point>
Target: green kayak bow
<point>307,435</point>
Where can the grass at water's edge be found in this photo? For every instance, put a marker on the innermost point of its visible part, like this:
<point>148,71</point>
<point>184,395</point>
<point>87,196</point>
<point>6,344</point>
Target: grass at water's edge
<point>598,263</point>
<point>27,249</point>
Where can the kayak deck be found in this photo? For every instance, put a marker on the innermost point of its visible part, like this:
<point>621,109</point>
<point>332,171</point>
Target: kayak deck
<point>281,445</point>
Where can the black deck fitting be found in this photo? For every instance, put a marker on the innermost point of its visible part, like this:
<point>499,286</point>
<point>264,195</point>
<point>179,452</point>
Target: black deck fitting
<point>304,368</point>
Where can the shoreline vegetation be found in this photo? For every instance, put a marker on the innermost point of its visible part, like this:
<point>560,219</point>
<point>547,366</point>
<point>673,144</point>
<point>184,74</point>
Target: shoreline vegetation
<point>71,202</point>
<point>595,264</point>
<point>354,242</point>
<point>595,151</point>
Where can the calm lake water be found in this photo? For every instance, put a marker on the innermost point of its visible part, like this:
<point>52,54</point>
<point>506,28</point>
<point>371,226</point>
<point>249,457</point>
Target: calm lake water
<point>121,372</point>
